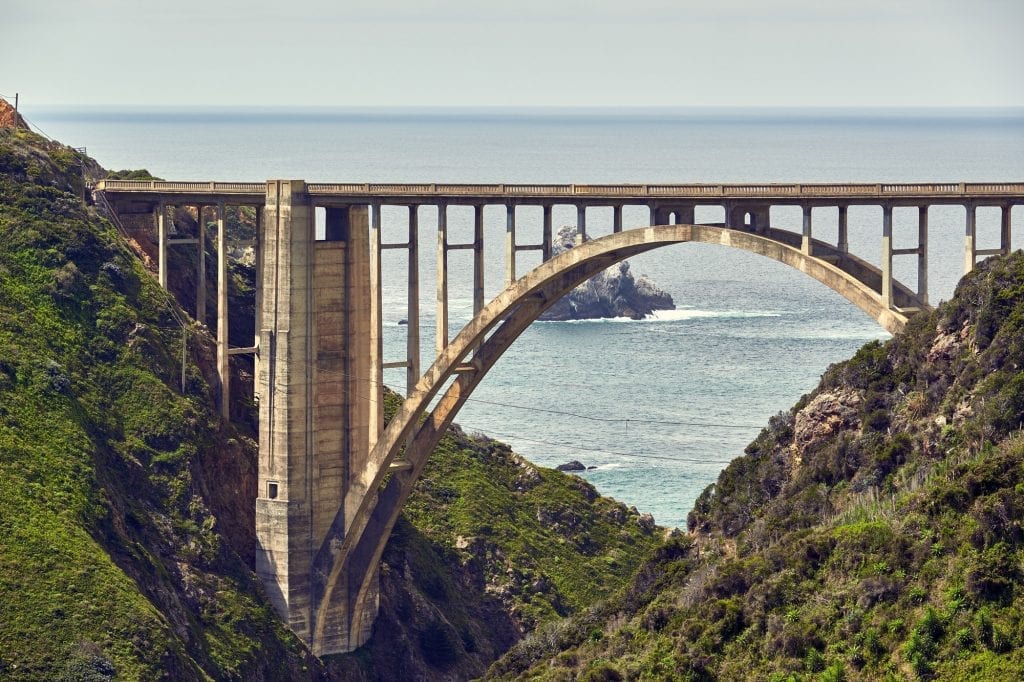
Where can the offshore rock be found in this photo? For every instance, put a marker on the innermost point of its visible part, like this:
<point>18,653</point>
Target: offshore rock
<point>574,465</point>
<point>612,293</point>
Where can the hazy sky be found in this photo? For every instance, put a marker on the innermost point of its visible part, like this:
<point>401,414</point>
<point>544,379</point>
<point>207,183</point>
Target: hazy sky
<point>522,52</point>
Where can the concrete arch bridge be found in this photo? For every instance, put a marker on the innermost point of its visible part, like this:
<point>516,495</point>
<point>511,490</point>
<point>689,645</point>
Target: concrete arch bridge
<point>332,478</point>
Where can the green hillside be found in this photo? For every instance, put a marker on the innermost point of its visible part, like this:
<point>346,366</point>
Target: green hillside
<point>126,505</point>
<point>872,532</point>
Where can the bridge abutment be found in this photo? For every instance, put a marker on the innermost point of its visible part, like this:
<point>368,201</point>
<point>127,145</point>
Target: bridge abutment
<point>314,377</point>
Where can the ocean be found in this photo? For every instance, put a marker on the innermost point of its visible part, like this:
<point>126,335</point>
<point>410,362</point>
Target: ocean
<point>657,406</point>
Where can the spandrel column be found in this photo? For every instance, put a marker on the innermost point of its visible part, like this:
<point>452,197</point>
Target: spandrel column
<point>223,364</point>
<point>886,256</point>
<point>441,335</point>
<point>970,239</point>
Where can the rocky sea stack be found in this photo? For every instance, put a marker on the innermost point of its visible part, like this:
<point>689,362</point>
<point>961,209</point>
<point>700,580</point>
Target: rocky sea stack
<point>612,293</point>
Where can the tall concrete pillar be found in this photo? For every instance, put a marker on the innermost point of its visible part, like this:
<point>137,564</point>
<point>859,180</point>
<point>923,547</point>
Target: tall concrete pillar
<point>970,239</point>
<point>805,238</point>
<point>922,254</point>
<point>376,394</point>
<point>617,218</point>
<point>201,267</point>
<point>412,341</point>
<point>442,278</point>
<point>581,223</point>
<point>314,418</point>
<point>510,244</point>
<point>223,359</point>
<point>478,256</point>
<point>843,241</point>
<point>546,252</point>
<point>886,256</point>
<point>1004,230</point>
<point>654,214</point>
<point>258,286</point>
<point>161,244</point>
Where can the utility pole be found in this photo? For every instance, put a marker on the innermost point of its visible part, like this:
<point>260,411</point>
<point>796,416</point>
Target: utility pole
<point>15,111</point>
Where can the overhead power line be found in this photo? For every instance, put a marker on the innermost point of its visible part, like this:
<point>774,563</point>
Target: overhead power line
<point>619,420</point>
<point>579,448</point>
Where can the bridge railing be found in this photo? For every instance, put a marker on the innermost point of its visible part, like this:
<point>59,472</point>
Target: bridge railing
<point>177,187</point>
<point>623,191</point>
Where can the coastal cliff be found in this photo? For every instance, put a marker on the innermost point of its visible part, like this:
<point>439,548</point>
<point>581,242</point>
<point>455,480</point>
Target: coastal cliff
<point>873,531</point>
<point>126,504</point>
<point>611,293</point>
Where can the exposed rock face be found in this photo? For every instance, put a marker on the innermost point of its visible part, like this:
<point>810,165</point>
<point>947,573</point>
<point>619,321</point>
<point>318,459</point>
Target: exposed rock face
<point>827,414</point>
<point>612,293</point>
<point>9,118</point>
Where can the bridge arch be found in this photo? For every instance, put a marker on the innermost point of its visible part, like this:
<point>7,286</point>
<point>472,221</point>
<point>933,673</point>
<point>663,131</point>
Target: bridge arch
<point>489,334</point>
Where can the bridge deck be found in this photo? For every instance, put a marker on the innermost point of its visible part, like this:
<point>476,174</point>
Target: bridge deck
<point>828,193</point>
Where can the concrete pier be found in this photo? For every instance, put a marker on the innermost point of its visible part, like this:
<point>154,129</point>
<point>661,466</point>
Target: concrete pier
<point>315,339</point>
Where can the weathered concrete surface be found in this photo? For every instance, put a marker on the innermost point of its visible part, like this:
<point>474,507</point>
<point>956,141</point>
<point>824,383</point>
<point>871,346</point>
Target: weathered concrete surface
<point>314,421</point>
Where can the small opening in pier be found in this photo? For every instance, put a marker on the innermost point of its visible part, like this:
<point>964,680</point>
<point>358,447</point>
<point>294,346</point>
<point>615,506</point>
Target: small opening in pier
<point>272,490</point>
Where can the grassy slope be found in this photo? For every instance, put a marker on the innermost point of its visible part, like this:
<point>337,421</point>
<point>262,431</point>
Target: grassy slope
<point>110,558</point>
<point>874,532</point>
<point>125,505</point>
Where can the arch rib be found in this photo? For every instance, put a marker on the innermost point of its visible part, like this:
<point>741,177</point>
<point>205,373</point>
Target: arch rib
<point>355,556</point>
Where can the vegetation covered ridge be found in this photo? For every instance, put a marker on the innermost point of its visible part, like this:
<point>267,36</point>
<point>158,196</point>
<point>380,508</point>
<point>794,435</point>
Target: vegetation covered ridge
<point>126,504</point>
<point>874,531</point>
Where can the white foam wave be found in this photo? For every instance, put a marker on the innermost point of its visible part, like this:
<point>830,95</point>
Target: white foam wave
<point>679,315</point>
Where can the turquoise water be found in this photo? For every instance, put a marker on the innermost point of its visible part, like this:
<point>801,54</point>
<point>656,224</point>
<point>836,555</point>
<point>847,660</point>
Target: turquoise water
<point>657,406</point>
